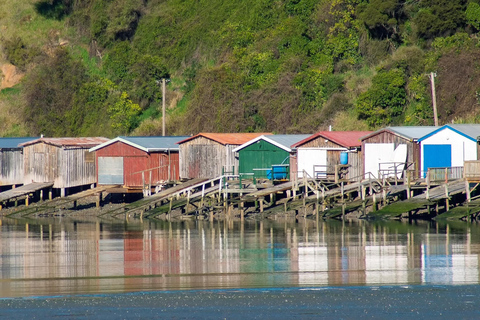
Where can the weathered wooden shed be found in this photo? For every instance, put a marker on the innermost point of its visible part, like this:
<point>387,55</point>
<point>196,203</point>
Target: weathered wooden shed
<point>209,155</point>
<point>64,161</point>
<point>321,152</point>
<point>11,161</point>
<point>449,146</point>
<point>392,147</point>
<point>268,156</point>
<point>135,162</point>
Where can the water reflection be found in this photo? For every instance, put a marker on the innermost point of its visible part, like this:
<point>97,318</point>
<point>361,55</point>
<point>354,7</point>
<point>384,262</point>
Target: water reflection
<point>48,257</point>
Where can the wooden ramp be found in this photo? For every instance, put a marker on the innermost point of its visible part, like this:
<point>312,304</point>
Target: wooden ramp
<point>465,211</point>
<point>420,201</point>
<point>23,191</point>
<point>52,205</point>
<point>155,200</point>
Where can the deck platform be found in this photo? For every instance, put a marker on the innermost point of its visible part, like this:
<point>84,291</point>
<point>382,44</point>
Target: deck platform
<point>23,192</point>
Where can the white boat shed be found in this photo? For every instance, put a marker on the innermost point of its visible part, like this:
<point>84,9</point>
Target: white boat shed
<point>450,145</point>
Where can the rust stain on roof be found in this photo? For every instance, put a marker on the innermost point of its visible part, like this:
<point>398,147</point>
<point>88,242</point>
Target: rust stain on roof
<point>347,139</point>
<point>226,138</point>
<point>69,142</point>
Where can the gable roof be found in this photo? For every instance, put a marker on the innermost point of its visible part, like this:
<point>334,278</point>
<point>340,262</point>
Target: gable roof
<point>347,139</point>
<point>68,142</point>
<point>283,141</point>
<point>13,143</point>
<point>407,132</point>
<point>147,144</point>
<point>226,138</point>
<point>470,131</point>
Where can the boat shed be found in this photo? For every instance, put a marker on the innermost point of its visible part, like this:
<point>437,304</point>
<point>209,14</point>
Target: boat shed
<point>209,155</point>
<point>64,161</point>
<point>136,162</point>
<point>320,154</point>
<point>450,145</point>
<point>394,149</point>
<point>268,156</point>
<point>11,161</point>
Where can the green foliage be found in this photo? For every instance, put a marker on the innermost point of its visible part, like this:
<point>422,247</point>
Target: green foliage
<point>440,17</point>
<point>17,53</point>
<point>252,65</point>
<point>420,111</point>
<point>384,100</point>
<point>123,113</point>
<point>54,9</point>
<point>49,93</point>
<point>381,17</point>
<point>472,14</point>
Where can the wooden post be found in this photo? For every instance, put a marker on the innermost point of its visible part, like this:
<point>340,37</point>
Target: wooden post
<point>427,193</point>
<point>50,193</point>
<point>261,204</point>
<point>374,202</point>
<point>188,202</point>
<point>26,200</point>
<point>467,190</point>
<point>408,185</point>
<point>63,192</point>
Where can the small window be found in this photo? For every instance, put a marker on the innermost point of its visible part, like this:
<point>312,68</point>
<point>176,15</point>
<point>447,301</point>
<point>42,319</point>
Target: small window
<point>89,156</point>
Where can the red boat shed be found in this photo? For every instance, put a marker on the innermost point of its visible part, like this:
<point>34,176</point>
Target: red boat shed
<point>136,162</point>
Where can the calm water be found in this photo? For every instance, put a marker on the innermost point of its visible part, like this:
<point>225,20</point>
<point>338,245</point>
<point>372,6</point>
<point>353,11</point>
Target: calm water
<point>55,257</point>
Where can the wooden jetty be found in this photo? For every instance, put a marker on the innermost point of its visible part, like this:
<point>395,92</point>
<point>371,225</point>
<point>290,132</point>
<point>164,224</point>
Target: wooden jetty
<point>53,205</point>
<point>232,196</point>
<point>26,192</point>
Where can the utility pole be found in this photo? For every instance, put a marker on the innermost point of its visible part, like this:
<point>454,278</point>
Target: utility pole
<point>434,99</point>
<point>163,106</point>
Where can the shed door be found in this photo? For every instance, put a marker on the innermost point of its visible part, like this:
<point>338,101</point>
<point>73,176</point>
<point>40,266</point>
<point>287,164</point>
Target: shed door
<point>110,170</point>
<point>436,156</point>
<point>377,154</point>
<point>308,158</point>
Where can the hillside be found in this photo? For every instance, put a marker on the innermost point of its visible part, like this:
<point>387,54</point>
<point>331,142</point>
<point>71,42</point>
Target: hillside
<point>94,67</point>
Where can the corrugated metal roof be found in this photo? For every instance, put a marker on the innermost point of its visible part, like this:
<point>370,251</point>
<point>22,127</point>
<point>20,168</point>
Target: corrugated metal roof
<point>407,132</point>
<point>283,141</point>
<point>12,143</point>
<point>226,138</point>
<point>147,144</point>
<point>69,142</point>
<point>347,139</point>
<point>471,131</point>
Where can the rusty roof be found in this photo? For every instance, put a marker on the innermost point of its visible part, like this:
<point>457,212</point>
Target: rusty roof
<point>69,142</point>
<point>226,138</point>
<point>347,139</point>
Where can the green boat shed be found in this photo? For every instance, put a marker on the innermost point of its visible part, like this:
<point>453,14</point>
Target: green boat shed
<point>267,156</point>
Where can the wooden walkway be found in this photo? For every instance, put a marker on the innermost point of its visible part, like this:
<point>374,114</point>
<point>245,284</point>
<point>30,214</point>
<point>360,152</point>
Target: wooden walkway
<point>156,200</point>
<point>23,192</point>
<point>421,201</point>
<point>53,205</point>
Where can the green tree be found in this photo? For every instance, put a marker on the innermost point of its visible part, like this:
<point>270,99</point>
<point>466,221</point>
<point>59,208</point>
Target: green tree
<point>385,99</point>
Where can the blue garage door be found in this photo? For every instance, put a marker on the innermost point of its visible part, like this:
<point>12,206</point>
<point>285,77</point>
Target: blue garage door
<point>436,156</point>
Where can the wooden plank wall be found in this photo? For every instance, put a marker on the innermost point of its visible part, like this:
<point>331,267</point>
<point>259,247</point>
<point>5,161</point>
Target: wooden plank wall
<point>11,166</point>
<point>65,167</point>
<point>202,158</point>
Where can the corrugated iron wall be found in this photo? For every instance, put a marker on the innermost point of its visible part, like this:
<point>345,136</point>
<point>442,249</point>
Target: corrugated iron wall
<point>261,155</point>
<point>157,166</point>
